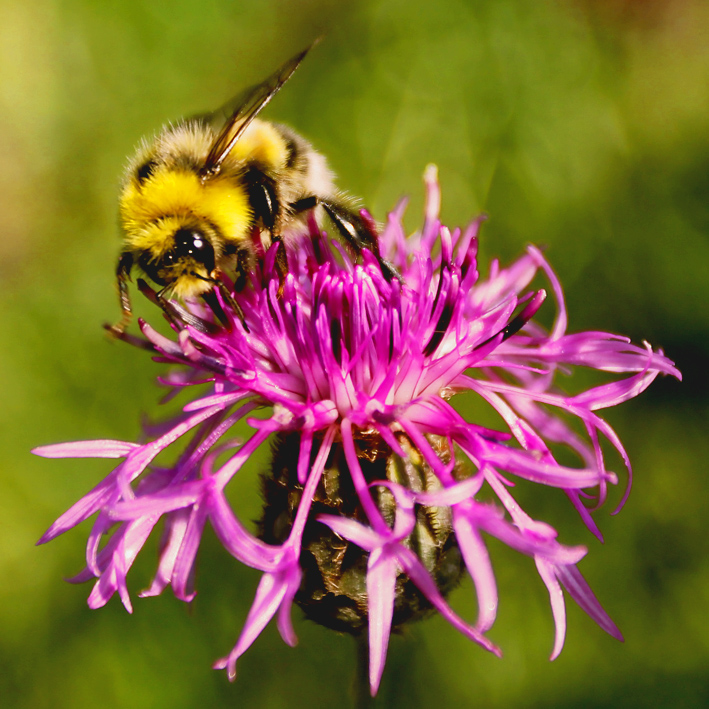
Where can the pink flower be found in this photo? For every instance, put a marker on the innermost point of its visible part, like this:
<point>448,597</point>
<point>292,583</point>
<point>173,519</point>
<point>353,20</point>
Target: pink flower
<point>358,372</point>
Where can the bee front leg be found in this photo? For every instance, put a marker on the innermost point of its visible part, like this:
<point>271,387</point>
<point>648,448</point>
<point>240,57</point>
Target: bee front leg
<point>125,263</point>
<point>176,314</point>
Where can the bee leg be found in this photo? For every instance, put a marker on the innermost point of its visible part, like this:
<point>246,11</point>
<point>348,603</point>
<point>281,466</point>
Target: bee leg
<point>303,205</point>
<point>360,233</point>
<point>262,198</point>
<point>175,314</point>
<point>281,263</point>
<point>211,299</point>
<point>268,213</point>
<point>125,263</point>
<point>241,271</point>
<point>231,302</point>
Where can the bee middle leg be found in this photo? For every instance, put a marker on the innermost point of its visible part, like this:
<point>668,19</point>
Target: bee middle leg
<point>211,299</point>
<point>281,263</point>
<point>358,232</point>
<point>177,315</point>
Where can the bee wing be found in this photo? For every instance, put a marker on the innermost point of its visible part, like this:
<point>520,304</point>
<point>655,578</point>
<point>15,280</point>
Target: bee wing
<point>247,108</point>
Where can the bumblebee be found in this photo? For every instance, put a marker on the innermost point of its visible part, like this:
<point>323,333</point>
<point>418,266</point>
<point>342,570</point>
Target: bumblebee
<point>210,194</point>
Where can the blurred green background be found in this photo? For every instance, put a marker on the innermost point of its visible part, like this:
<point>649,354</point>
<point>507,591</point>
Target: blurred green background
<point>582,125</point>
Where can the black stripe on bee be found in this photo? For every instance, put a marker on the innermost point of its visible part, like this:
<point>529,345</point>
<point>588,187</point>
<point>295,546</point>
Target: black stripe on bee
<point>292,150</point>
<point>146,170</point>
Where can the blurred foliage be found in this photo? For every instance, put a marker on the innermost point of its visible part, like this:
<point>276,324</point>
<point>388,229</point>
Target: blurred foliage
<point>581,125</point>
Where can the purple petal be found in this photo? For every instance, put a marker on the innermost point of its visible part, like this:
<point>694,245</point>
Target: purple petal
<point>83,509</point>
<point>615,393</point>
<point>526,543</point>
<point>553,474</point>
<point>87,449</point>
<point>357,533</point>
<point>159,503</point>
<point>274,588</point>
<point>182,572</point>
<point>381,585</point>
<point>477,561</point>
<point>285,621</point>
<point>175,528</point>
<point>236,539</point>
<point>269,595</point>
<point>360,484</point>
<point>558,609</point>
<point>581,592</point>
<point>418,574</point>
<point>221,400</point>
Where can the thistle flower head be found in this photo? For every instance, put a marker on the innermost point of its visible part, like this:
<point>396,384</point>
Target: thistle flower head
<point>380,493</point>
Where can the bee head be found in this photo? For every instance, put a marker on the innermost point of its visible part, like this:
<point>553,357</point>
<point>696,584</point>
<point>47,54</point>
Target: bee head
<point>179,227</point>
<point>186,265</point>
<point>192,244</point>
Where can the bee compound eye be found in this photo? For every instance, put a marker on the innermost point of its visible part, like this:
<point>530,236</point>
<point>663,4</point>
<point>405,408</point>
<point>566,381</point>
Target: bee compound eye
<point>193,243</point>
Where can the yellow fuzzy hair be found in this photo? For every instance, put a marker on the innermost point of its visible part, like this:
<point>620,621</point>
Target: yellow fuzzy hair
<point>176,195</point>
<point>261,143</point>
